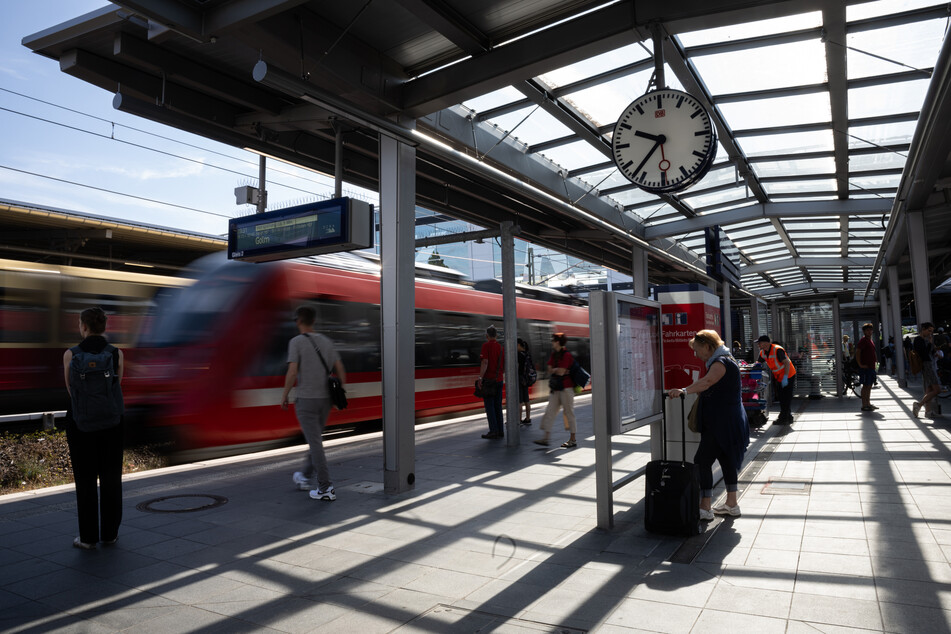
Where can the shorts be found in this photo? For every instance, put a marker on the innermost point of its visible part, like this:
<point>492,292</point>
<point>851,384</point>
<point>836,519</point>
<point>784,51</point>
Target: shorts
<point>866,376</point>
<point>928,376</point>
<point>522,393</point>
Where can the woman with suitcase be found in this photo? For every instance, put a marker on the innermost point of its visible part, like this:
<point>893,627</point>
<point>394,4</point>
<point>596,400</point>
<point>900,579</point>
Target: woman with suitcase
<point>724,429</point>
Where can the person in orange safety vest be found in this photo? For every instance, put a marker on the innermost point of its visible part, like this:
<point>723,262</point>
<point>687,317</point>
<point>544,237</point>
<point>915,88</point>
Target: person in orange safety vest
<point>784,375</point>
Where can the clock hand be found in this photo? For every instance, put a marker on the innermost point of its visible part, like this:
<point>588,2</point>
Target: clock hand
<point>641,164</point>
<point>659,138</point>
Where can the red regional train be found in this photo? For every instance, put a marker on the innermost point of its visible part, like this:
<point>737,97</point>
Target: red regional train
<point>39,318</point>
<point>210,368</point>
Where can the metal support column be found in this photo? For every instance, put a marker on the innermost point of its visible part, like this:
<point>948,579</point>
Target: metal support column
<point>338,161</point>
<point>886,320</point>
<point>754,322</point>
<point>727,326</point>
<point>892,273</point>
<point>774,313</point>
<point>510,326</point>
<point>837,345</point>
<point>918,254</point>
<point>397,297</point>
<point>262,191</point>
<point>639,271</point>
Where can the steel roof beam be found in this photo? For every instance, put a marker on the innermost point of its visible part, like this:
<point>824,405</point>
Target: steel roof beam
<point>808,261</point>
<point>202,25</point>
<point>564,113</point>
<point>769,211</point>
<point>450,24</point>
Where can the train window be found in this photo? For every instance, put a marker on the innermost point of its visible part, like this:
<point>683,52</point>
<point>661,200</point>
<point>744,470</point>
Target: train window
<point>459,338</point>
<point>355,331</point>
<point>24,316</point>
<point>193,314</point>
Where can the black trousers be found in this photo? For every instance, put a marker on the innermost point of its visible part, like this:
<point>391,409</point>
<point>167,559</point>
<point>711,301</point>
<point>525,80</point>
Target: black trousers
<point>97,456</point>
<point>785,396</point>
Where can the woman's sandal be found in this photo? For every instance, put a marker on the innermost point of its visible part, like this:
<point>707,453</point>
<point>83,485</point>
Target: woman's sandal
<point>568,444</point>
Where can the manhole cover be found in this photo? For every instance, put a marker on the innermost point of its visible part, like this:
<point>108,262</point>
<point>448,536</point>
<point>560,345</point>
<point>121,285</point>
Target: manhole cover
<point>185,503</point>
<point>787,486</point>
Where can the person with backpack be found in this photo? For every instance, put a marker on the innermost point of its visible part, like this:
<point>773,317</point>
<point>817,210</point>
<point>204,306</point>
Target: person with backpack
<point>923,348</point>
<point>93,373</point>
<point>527,375</point>
<point>562,394</point>
<point>311,358</point>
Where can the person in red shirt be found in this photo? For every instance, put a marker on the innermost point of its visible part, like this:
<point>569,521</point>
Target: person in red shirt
<point>562,394</point>
<point>490,378</point>
<point>867,358</point>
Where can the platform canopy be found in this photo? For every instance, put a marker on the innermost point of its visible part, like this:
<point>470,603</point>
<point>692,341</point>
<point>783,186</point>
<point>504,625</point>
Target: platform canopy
<point>833,118</point>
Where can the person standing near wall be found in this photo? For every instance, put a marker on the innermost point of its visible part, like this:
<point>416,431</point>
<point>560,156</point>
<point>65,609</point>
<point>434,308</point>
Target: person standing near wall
<point>784,375</point>
<point>924,347</point>
<point>866,358</point>
<point>93,373</point>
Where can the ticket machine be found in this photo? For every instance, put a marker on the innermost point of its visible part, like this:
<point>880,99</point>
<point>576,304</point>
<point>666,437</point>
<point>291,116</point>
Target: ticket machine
<point>685,309</point>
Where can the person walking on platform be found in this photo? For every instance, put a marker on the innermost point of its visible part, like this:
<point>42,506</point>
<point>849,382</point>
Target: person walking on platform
<point>310,356</point>
<point>93,373</point>
<point>866,358</point>
<point>784,375</point>
<point>924,347</point>
<point>490,380</point>
<point>527,375</point>
<point>724,428</point>
<point>562,394</point>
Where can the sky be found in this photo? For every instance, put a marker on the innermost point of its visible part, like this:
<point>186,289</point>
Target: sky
<point>64,146</point>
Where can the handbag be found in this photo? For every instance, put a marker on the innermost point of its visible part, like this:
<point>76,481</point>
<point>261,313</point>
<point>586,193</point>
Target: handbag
<point>556,382</point>
<point>338,395</point>
<point>692,423</point>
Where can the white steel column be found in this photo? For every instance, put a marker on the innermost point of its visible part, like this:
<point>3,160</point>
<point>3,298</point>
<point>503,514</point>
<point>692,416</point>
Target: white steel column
<point>886,320</point>
<point>892,272</point>
<point>397,297</point>
<point>510,326</point>
<point>754,323</point>
<point>918,254</point>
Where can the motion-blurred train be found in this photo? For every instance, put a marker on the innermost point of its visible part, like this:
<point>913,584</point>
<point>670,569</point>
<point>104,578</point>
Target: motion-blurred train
<point>206,357</point>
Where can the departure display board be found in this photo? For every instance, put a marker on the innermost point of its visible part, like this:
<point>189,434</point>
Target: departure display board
<point>340,224</point>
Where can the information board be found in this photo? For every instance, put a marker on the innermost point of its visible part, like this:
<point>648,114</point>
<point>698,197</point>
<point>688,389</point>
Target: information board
<point>339,224</point>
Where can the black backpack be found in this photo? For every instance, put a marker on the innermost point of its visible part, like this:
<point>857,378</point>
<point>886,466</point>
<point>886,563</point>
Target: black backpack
<point>530,373</point>
<point>94,389</point>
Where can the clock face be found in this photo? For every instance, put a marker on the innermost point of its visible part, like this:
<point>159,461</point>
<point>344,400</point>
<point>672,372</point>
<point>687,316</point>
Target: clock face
<point>664,141</point>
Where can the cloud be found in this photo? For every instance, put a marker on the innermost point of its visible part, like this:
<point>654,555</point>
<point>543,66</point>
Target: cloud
<point>150,173</point>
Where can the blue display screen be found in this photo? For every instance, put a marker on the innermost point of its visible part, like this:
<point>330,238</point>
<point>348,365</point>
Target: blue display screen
<point>289,232</point>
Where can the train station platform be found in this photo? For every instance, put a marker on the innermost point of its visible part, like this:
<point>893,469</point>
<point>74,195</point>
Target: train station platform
<point>846,526</point>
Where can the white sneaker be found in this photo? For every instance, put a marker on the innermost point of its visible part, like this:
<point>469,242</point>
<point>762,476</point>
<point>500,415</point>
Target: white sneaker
<point>324,494</point>
<point>705,515</point>
<point>300,481</point>
<point>723,509</point>
<point>915,409</point>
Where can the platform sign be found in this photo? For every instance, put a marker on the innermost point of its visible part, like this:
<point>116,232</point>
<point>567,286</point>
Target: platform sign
<point>328,226</point>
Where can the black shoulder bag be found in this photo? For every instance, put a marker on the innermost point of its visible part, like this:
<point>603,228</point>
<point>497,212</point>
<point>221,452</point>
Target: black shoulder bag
<point>338,395</point>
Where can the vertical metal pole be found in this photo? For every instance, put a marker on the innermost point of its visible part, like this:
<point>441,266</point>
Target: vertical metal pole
<point>837,334</point>
<point>892,272</point>
<point>886,320</point>
<point>754,323</point>
<point>602,382</point>
<point>918,254</point>
<point>338,162</point>
<point>397,297</point>
<point>727,327</point>
<point>510,325</point>
<point>774,313</point>
<point>639,271</point>
<point>262,186</point>
<point>658,37</point>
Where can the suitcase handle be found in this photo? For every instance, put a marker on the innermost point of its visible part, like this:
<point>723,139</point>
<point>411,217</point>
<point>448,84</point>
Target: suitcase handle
<point>683,429</point>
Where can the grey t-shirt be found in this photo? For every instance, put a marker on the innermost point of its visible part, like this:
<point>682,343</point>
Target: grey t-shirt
<point>311,375</point>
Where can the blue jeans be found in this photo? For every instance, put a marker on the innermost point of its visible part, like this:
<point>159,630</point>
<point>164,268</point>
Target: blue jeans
<point>493,411</point>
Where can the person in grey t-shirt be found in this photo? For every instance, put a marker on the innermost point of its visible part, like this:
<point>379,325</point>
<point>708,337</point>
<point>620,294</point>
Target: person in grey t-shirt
<point>312,403</point>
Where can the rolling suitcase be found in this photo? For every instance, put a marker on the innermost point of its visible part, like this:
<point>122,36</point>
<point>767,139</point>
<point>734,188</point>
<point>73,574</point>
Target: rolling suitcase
<point>672,496</point>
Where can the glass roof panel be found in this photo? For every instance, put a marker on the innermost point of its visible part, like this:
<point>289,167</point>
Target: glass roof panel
<point>825,184</point>
<point>713,198</point>
<point>493,99</point>
<point>915,45</point>
<point>780,111</point>
<point>882,160</point>
<point>752,29</point>
<point>531,125</point>
<point>874,182</point>
<point>634,196</point>
<point>607,178</point>
<point>788,143</point>
<point>883,7</point>
<point>873,101</point>
<point>881,134</point>
<point>598,64</point>
<point>573,155</point>
<point>715,177</point>
<point>794,167</point>
<point>720,74</point>
<point>604,103</point>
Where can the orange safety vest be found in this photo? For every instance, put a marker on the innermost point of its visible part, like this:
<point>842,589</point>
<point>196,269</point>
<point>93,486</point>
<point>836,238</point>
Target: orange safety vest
<point>775,366</point>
